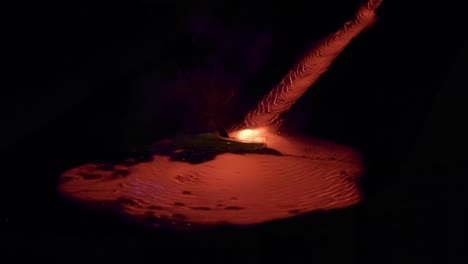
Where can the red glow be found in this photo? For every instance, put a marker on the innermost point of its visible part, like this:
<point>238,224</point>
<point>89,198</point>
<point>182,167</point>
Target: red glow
<point>233,188</point>
<point>239,188</point>
<point>250,135</point>
<point>309,69</point>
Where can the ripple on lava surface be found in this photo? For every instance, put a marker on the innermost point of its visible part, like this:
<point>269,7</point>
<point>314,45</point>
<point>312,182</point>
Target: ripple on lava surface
<point>239,189</point>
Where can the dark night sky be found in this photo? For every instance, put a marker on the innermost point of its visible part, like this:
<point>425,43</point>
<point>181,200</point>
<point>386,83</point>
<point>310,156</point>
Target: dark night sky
<point>91,82</point>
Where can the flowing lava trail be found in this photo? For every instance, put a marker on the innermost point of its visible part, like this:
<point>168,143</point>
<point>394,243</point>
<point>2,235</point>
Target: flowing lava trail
<point>308,70</point>
<point>235,188</point>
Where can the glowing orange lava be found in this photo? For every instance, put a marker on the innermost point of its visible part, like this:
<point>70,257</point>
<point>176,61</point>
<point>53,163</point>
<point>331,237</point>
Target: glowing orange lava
<point>233,188</point>
<point>238,188</point>
<point>309,69</point>
<point>251,135</point>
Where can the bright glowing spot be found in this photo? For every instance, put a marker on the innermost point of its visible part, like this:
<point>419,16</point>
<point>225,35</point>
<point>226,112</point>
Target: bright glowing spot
<point>248,135</point>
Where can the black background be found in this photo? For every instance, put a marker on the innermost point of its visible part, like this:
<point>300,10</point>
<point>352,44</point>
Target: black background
<point>89,79</point>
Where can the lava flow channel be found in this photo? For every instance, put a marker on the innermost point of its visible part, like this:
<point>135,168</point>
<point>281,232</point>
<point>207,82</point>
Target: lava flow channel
<point>238,189</point>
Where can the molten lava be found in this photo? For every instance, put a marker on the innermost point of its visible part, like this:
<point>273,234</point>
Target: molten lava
<point>309,69</point>
<point>233,188</point>
<point>291,176</point>
<point>251,135</point>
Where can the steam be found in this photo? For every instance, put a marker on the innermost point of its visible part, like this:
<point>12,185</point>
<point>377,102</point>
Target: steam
<point>308,70</point>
